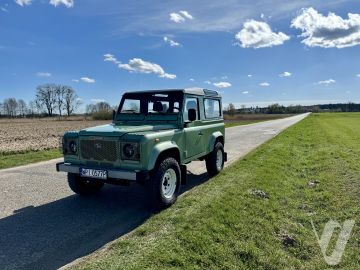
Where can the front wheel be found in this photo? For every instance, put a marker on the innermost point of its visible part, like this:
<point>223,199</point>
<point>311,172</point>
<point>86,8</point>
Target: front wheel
<point>165,183</point>
<point>84,186</point>
<point>215,160</point>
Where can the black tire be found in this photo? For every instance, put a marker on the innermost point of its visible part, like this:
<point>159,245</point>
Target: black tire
<point>84,186</point>
<point>159,199</point>
<point>211,160</point>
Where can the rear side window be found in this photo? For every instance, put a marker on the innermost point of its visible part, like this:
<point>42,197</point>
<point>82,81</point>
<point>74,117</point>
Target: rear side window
<point>191,103</point>
<point>212,108</point>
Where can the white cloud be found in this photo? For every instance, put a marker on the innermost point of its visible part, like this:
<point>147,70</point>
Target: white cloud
<point>75,80</point>
<point>138,65</point>
<point>257,34</point>
<point>43,74</point>
<point>191,80</point>
<point>245,92</point>
<point>67,3</point>
<point>222,84</point>
<point>111,58</point>
<point>186,14</point>
<point>87,80</point>
<point>171,42</point>
<point>329,31</point>
<point>97,100</point>
<point>180,17</point>
<point>23,2</point>
<point>264,84</point>
<point>285,74</point>
<point>177,18</point>
<point>358,75</point>
<point>250,76</point>
<point>327,82</point>
<point>207,82</point>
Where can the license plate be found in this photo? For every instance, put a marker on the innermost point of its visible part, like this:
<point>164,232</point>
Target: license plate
<point>91,173</point>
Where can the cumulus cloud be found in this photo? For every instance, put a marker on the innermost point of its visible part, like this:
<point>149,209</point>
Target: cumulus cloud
<point>257,35</point>
<point>23,2</point>
<point>327,82</point>
<point>171,42</point>
<point>207,82</point>
<point>186,14</point>
<point>191,80</point>
<point>180,17</point>
<point>285,74</point>
<point>331,31</point>
<point>111,58</point>
<point>222,84</point>
<point>245,92</point>
<point>264,84</point>
<point>87,80</point>
<point>67,3</point>
<point>137,65</point>
<point>250,76</point>
<point>43,74</point>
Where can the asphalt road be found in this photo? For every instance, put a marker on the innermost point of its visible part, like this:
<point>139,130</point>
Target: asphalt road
<point>43,225</point>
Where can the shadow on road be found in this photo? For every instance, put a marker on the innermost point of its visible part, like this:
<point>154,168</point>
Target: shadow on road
<point>54,234</point>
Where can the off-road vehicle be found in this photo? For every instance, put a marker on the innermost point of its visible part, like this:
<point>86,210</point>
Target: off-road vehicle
<point>154,134</point>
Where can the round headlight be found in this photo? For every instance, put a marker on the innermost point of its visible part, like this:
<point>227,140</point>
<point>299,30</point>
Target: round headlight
<point>73,147</point>
<point>129,150</point>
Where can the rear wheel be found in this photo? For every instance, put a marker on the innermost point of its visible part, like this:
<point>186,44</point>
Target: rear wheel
<point>215,160</point>
<point>84,186</point>
<point>165,183</point>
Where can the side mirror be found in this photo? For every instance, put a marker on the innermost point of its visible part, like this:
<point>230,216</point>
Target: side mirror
<point>192,115</point>
<point>113,115</point>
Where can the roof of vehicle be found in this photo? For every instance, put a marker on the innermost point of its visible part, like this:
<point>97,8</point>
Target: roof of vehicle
<point>192,91</point>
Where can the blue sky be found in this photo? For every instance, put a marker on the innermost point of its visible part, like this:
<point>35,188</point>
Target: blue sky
<point>254,52</point>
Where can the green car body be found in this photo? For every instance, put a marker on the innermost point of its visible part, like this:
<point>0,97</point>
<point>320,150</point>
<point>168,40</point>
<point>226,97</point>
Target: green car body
<point>157,126</point>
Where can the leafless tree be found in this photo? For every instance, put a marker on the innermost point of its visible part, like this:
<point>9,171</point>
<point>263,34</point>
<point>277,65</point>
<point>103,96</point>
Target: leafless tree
<point>46,96</point>
<point>60,97</point>
<point>10,106</point>
<point>71,100</point>
<point>22,107</point>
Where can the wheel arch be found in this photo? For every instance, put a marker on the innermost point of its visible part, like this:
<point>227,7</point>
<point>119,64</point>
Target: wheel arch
<point>214,138</point>
<point>161,150</point>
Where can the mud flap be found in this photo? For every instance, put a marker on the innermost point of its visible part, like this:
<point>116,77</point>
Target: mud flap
<point>183,174</point>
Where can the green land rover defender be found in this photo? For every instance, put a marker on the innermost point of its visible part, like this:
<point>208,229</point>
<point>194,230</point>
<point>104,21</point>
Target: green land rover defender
<point>154,134</point>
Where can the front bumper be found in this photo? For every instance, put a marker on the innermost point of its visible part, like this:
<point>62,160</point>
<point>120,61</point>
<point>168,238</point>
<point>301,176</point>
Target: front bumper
<point>138,176</point>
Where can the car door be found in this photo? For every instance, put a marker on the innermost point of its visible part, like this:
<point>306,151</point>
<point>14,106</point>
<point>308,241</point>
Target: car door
<point>193,130</point>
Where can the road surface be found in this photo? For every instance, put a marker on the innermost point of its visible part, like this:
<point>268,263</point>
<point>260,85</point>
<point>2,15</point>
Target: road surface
<point>43,225</point>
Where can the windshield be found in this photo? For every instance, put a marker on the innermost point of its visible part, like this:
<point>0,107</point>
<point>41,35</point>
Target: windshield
<point>151,104</point>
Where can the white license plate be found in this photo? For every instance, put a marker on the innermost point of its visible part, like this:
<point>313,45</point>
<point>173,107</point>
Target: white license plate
<point>98,174</point>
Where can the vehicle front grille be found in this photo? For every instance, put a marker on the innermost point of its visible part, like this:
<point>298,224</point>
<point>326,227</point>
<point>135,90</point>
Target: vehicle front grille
<point>99,150</point>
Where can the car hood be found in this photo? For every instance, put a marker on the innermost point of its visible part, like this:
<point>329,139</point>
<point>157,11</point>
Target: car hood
<point>114,130</point>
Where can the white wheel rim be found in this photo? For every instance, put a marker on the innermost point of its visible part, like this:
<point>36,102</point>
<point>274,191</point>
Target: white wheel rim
<point>219,160</point>
<point>168,183</point>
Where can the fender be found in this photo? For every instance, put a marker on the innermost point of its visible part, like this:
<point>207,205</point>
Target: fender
<point>212,140</point>
<point>158,149</point>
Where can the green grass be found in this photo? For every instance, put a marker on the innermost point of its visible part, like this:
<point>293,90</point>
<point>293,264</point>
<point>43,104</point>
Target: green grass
<point>17,159</point>
<point>223,225</point>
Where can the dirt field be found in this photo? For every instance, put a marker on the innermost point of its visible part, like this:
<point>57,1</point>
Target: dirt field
<point>19,135</point>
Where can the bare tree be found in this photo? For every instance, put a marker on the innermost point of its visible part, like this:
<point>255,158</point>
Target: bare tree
<point>46,96</point>
<point>231,109</point>
<point>22,107</point>
<point>60,97</point>
<point>1,109</point>
<point>72,101</point>
<point>10,107</point>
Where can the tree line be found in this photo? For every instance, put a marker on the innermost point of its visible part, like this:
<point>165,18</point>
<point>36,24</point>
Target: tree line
<point>50,99</point>
<point>293,109</point>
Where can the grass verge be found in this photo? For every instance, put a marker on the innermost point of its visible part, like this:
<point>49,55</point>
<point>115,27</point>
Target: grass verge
<point>257,214</point>
<point>18,159</point>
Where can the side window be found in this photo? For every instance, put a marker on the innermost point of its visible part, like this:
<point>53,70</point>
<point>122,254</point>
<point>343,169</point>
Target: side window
<point>131,106</point>
<point>191,103</point>
<point>212,108</point>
